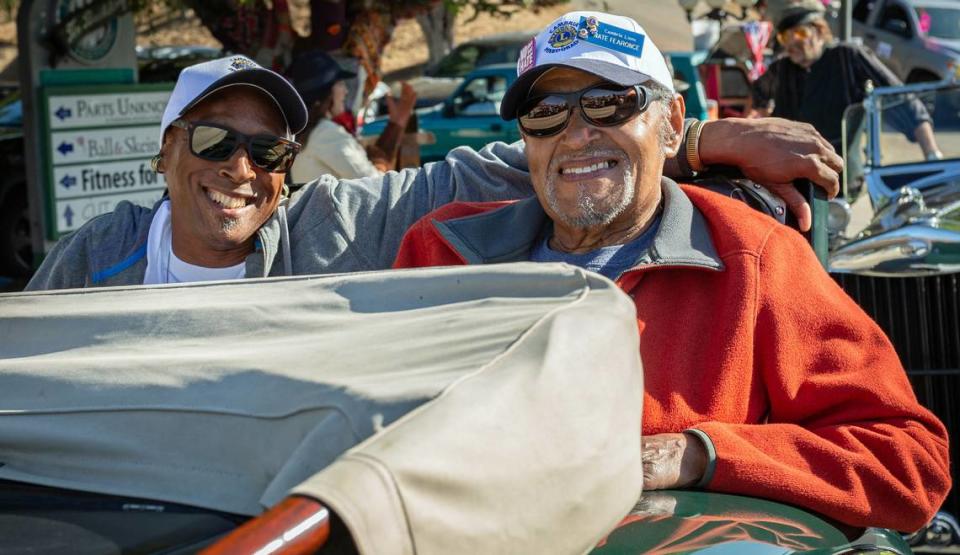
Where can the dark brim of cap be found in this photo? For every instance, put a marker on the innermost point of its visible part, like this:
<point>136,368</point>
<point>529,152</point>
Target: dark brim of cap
<point>286,96</point>
<point>797,17</point>
<point>518,91</point>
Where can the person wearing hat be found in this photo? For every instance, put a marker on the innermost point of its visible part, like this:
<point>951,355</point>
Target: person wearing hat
<point>816,79</point>
<point>226,145</point>
<point>328,148</point>
<point>227,139</point>
<point>747,390</point>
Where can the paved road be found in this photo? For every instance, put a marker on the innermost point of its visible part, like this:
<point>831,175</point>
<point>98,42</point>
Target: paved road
<point>663,20</point>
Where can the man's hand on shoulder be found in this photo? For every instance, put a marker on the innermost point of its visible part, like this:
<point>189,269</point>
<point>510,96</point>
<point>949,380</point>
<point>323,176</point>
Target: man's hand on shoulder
<point>774,152</point>
<point>672,461</point>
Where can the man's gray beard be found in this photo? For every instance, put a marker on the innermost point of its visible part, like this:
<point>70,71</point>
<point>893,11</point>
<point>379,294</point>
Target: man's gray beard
<point>588,214</point>
<point>229,224</point>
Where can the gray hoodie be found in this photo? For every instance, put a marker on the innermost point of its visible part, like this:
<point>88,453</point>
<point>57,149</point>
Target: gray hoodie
<point>329,226</point>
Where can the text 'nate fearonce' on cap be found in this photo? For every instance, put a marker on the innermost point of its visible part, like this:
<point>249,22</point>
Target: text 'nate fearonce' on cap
<point>613,47</point>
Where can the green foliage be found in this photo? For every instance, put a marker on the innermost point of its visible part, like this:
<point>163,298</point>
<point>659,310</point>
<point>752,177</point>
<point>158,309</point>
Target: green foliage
<point>8,9</point>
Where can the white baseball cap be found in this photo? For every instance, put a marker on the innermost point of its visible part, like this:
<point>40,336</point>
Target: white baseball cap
<point>199,81</point>
<point>613,47</point>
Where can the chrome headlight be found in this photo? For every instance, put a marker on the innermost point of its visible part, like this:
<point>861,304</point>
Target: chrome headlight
<point>838,216</point>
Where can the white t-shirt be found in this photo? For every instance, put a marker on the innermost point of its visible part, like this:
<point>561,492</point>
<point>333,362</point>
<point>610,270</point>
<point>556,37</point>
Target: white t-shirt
<point>163,266</point>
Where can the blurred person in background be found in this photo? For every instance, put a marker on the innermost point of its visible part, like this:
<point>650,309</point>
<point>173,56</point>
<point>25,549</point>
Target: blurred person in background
<point>328,148</point>
<point>817,78</point>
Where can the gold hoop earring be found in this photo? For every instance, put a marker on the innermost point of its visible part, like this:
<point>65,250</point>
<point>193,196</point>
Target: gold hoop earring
<point>155,163</point>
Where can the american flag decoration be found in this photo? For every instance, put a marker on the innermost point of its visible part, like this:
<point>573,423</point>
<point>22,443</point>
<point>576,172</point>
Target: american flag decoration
<point>757,34</point>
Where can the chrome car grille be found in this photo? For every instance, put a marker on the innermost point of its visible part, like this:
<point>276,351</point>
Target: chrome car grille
<point>921,316</point>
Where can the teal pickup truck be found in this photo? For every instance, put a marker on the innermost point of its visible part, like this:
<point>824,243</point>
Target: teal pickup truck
<point>468,117</point>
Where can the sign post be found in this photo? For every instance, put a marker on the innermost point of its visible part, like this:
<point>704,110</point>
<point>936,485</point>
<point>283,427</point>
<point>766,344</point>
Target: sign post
<point>63,43</point>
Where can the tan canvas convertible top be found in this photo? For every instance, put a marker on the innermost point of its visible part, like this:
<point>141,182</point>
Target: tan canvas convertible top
<point>478,409</point>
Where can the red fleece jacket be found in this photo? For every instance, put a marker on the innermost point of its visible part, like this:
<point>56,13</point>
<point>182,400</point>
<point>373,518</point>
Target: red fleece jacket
<point>801,393</point>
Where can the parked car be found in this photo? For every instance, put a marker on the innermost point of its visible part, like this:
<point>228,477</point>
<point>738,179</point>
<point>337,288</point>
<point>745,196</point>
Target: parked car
<point>903,268</point>
<point>108,393</point>
<point>158,64</point>
<point>470,116</point>
<point>918,39</point>
<point>440,80</point>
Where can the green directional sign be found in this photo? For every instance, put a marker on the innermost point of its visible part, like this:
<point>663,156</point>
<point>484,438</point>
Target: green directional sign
<point>68,49</point>
<point>98,141</point>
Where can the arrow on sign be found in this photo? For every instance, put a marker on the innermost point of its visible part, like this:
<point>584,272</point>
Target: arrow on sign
<point>63,113</point>
<point>68,216</point>
<point>68,181</point>
<point>64,148</point>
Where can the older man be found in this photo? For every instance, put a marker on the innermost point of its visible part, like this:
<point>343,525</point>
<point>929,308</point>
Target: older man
<point>226,145</point>
<point>817,79</point>
<point>761,377</point>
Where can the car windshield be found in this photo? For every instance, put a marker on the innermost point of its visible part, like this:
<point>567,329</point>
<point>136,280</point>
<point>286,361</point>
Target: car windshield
<point>939,22</point>
<point>899,116</point>
<point>466,57</point>
<point>459,62</point>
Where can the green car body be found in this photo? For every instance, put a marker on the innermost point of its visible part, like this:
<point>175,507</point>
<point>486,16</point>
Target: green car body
<point>713,523</point>
<point>663,522</point>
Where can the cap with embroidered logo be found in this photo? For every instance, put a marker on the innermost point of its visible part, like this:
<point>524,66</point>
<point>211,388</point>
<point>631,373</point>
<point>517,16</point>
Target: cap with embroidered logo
<point>199,81</point>
<point>613,47</point>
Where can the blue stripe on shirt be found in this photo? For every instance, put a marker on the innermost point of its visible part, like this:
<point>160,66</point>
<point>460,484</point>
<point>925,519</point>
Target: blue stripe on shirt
<point>121,266</point>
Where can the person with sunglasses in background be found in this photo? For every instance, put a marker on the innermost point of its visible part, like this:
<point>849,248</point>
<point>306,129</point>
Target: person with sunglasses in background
<point>816,79</point>
<point>747,390</point>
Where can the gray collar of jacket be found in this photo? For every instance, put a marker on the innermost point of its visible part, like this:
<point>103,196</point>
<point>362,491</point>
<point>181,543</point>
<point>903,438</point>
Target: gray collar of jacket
<point>510,233</point>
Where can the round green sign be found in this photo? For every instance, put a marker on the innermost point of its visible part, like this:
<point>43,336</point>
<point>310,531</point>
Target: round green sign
<point>86,42</point>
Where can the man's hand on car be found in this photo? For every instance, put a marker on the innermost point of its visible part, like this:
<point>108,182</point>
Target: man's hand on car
<point>774,152</point>
<point>672,461</point>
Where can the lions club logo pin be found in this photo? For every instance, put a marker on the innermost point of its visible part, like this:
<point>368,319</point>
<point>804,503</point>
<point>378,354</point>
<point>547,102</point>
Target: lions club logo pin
<point>563,36</point>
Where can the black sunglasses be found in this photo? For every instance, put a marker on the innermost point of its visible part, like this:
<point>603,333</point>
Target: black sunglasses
<point>602,105</point>
<point>214,142</point>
